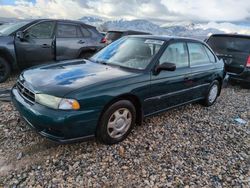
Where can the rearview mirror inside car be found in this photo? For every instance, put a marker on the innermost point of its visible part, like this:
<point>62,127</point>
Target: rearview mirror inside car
<point>165,67</point>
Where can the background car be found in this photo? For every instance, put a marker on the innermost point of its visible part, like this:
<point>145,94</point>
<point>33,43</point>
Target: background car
<point>112,36</point>
<point>25,44</point>
<point>105,96</point>
<point>235,49</point>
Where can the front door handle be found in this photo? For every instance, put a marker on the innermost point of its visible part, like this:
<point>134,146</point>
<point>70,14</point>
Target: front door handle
<point>188,80</point>
<point>81,42</point>
<point>46,46</point>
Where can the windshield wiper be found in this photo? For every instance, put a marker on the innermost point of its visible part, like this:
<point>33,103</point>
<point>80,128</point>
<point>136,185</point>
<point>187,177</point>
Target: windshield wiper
<point>105,63</point>
<point>101,62</point>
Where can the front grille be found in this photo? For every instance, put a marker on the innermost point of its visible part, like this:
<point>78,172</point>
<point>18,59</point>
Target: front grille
<point>25,92</point>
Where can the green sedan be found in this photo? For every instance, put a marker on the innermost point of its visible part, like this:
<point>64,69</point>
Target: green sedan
<point>107,95</point>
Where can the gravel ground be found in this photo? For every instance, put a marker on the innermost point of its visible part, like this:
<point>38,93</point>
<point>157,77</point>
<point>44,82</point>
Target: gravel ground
<point>10,82</point>
<point>190,146</point>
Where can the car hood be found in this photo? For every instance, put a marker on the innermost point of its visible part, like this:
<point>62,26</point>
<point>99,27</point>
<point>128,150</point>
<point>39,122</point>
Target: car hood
<point>63,78</point>
<point>6,40</point>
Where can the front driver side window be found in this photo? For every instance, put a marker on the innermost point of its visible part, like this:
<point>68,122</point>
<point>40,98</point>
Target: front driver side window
<point>43,30</point>
<point>176,53</point>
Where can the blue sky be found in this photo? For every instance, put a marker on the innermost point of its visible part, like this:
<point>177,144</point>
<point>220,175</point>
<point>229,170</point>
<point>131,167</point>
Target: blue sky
<point>12,2</point>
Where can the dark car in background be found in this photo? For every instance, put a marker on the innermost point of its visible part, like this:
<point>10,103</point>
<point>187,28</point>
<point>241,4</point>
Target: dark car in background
<point>112,36</point>
<point>235,49</point>
<point>105,96</point>
<point>29,43</point>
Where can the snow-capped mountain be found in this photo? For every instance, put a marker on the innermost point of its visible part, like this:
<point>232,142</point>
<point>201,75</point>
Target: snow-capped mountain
<point>184,29</point>
<point>200,30</point>
<point>91,20</point>
<point>137,25</point>
<point>6,20</point>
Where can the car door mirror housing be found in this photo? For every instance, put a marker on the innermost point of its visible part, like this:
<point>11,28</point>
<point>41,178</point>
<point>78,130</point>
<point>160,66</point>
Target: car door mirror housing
<point>20,35</point>
<point>165,67</point>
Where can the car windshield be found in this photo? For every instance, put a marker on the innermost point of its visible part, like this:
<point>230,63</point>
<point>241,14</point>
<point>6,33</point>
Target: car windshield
<point>224,45</point>
<point>8,28</point>
<point>129,52</point>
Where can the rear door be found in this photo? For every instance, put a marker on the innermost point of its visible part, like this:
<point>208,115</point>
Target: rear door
<point>69,40</point>
<point>202,63</point>
<point>38,45</point>
<point>169,89</point>
<point>238,48</point>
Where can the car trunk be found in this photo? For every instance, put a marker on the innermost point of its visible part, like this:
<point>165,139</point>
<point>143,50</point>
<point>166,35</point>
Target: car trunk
<point>236,48</point>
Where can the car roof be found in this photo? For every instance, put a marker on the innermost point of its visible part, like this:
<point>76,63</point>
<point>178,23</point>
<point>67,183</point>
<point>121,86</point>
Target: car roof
<point>165,38</point>
<point>231,35</point>
<point>62,20</point>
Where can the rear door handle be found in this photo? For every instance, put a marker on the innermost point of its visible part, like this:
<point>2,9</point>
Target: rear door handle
<point>81,42</point>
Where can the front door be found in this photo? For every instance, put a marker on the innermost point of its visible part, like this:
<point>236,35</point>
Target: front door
<point>169,89</point>
<point>37,46</point>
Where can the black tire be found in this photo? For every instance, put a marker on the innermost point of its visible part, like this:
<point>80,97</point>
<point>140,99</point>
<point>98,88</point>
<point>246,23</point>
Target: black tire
<point>210,100</point>
<point>5,70</point>
<point>103,132</point>
<point>86,55</point>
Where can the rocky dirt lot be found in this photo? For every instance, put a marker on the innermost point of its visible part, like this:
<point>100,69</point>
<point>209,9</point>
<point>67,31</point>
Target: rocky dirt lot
<point>191,146</point>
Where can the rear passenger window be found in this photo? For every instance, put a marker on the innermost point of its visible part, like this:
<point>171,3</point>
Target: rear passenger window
<point>176,53</point>
<point>198,55</point>
<point>85,32</point>
<point>68,31</point>
<point>210,55</point>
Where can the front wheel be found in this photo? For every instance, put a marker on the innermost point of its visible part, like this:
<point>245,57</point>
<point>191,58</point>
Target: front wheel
<point>4,70</point>
<point>212,94</point>
<point>116,122</point>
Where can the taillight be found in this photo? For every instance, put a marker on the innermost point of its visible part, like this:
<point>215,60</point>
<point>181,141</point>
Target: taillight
<point>248,62</point>
<point>104,40</point>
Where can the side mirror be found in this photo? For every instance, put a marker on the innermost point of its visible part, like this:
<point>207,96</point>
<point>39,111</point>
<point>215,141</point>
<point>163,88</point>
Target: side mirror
<point>20,35</point>
<point>165,67</point>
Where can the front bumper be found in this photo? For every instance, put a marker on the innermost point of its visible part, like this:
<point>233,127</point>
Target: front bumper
<point>57,125</point>
<point>242,77</point>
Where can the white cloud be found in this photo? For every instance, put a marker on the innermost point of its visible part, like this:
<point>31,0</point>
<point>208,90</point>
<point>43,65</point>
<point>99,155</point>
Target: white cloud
<point>203,10</point>
<point>210,10</point>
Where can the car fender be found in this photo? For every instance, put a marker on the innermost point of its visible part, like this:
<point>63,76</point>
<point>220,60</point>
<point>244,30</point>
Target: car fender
<point>9,57</point>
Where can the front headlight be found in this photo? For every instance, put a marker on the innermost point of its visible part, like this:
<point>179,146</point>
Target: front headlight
<point>57,102</point>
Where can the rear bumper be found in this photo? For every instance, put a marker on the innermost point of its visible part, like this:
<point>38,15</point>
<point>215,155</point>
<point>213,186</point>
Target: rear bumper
<point>242,77</point>
<point>56,125</point>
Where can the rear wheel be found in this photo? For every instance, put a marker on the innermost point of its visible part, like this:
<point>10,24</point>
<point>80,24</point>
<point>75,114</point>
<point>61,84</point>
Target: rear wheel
<point>4,70</point>
<point>116,122</point>
<point>212,94</point>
